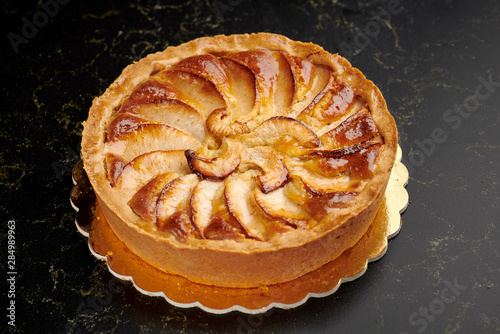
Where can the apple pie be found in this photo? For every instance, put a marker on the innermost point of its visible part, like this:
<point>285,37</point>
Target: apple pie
<point>241,160</point>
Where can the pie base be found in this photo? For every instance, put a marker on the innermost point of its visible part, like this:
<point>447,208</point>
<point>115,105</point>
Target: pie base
<point>183,293</point>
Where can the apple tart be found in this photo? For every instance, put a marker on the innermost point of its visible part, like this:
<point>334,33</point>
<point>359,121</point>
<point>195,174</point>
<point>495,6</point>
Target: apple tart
<point>241,160</point>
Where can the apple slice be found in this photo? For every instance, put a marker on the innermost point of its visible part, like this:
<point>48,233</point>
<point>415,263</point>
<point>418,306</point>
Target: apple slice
<point>284,133</point>
<point>179,225</point>
<point>319,184</point>
<point>224,227</point>
<point>303,72</point>
<point>341,96</point>
<point>171,112</point>
<point>150,91</point>
<point>310,113</point>
<point>239,202</point>
<point>279,207</point>
<point>150,137</point>
<point>216,168</point>
<point>146,166</point>
<point>358,104</point>
<point>319,206</point>
<point>354,130</point>
<point>372,143</point>
<point>241,100</point>
<point>173,203</point>
<point>202,202</point>
<point>318,76</point>
<point>265,68</point>
<point>114,165</point>
<point>122,124</point>
<point>208,67</point>
<point>143,203</point>
<point>329,105</point>
<point>274,171</point>
<point>284,90</point>
<point>357,161</point>
<point>195,90</point>
<point>219,124</point>
<point>274,88</point>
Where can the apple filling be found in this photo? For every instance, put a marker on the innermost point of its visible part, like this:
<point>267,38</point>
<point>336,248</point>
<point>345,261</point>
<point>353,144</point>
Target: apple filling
<point>241,145</point>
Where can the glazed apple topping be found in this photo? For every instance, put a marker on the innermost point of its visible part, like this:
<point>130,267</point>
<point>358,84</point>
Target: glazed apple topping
<point>240,146</point>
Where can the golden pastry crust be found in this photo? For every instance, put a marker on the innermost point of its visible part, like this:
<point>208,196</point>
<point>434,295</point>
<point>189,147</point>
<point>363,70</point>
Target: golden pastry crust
<point>255,256</point>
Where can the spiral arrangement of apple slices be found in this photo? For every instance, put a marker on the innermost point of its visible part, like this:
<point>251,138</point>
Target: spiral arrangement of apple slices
<point>240,145</point>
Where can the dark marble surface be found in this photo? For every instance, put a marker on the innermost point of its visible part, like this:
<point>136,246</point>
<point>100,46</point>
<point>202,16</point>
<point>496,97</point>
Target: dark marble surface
<point>431,59</point>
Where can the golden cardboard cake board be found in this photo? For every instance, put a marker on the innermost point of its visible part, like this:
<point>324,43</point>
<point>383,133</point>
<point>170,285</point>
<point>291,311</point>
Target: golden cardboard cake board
<point>183,293</point>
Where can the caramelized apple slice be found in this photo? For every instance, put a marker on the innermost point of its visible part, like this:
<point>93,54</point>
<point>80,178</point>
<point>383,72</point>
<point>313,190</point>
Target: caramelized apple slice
<point>279,207</point>
<point>208,67</point>
<point>122,124</point>
<point>239,202</point>
<point>284,90</point>
<point>319,206</point>
<point>114,166</point>
<point>284,133</point>
<point>274,89</point>
<point>318,184</point>
<point>265,68</point>
<point>150,91</point>
<point>339,170</point>
<point>320,77</point>
<point>202,202</point>
<point>174,113</point>
<point>329,105</point>
<point>362,164</point>
<point>151,137</point>
<point>274,174</point>
<point>179,225</point>
<point>143,203</point>
<point>319,195</point>
<point>340,98</point>
<point>372,143</point>
<point>216,168</point>
<point>240,101</point>
<point>219,124</point>
<point>354,130</point>
<point>357,105</point>
<point>222,227</point>
<point>146,166</point>
<point>242,89</point>
<point>303,73</point>
<point>196,91</point>
<point>308,114</point>
<point>174,198</point>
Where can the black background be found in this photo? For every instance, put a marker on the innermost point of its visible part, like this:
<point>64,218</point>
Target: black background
<point>430,60</point>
